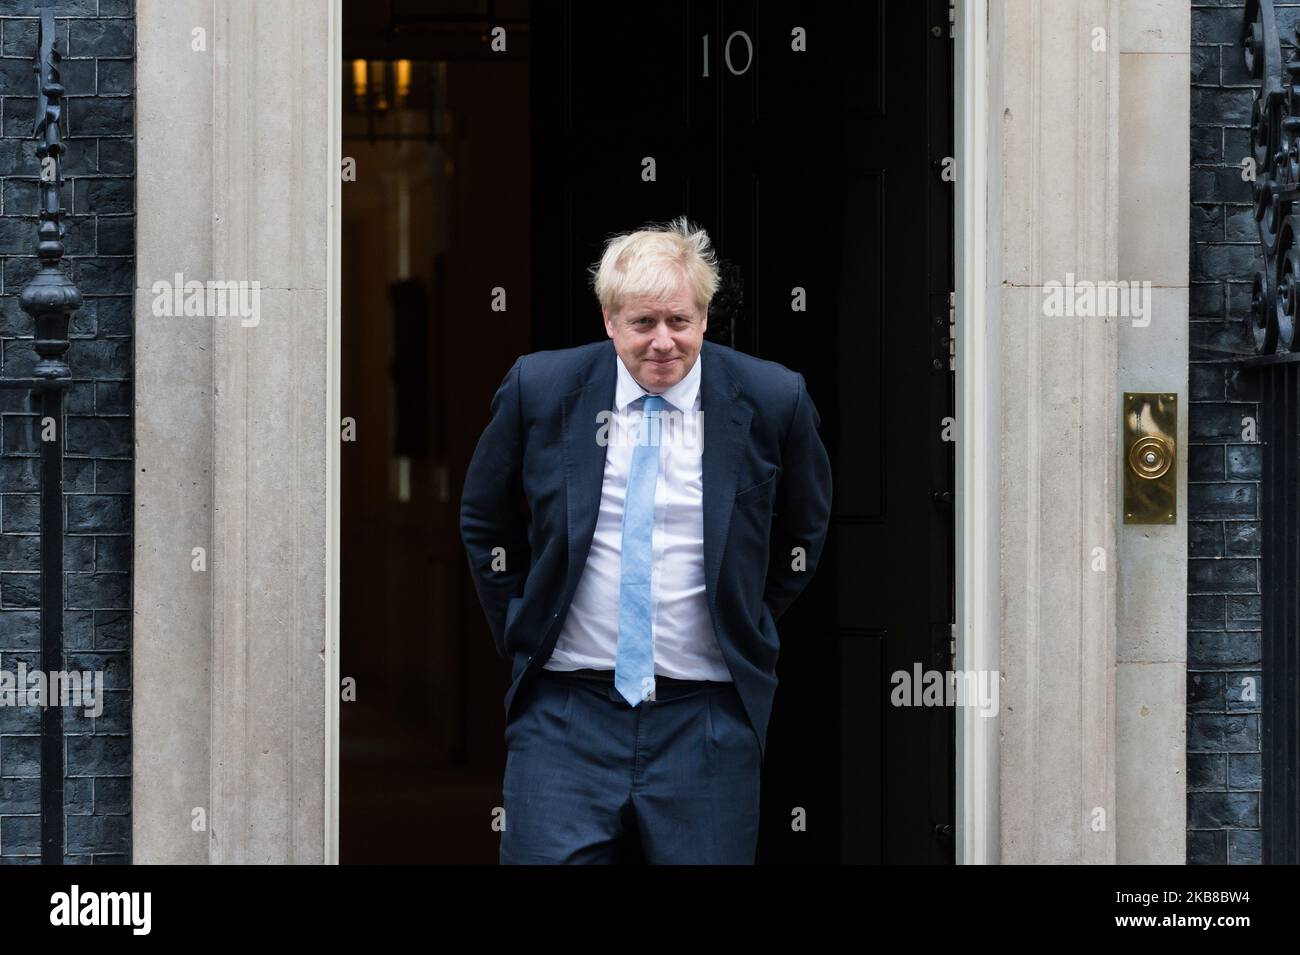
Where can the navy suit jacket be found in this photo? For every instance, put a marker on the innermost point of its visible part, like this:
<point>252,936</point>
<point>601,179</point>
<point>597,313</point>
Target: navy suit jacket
<point>532,493</point>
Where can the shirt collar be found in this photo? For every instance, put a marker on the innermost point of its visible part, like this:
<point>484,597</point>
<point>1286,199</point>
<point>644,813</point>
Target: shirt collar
<point>681,395</point>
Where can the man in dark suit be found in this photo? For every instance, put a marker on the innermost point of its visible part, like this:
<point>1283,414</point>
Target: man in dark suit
<point>637,515</point>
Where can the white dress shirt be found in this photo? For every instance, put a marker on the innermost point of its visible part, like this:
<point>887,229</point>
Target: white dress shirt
<point>685,645</point>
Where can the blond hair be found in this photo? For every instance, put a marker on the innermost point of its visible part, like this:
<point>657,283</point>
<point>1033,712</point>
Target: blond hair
<point>652,260</point>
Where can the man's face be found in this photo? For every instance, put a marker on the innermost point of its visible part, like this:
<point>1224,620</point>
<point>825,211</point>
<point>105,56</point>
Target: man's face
<point>658,340</point>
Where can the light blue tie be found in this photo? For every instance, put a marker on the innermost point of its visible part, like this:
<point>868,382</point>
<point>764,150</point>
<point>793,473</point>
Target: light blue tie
<point>634,665</point>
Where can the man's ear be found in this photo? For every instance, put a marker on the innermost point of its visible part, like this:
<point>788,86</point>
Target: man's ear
<point>609,328</point>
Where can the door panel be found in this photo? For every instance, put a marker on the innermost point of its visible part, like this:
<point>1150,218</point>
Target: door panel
<point>815,171</point>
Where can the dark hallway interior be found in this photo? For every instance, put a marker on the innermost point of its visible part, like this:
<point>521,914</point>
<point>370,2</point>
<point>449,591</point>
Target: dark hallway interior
<point>437,217</point>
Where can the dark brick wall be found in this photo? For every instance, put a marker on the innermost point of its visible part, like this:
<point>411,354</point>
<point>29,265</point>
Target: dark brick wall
<point>1223,616</point>
<point>98,40</point>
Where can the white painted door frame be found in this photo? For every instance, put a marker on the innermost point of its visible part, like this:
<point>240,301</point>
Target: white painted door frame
<point>333,418</point>
<point>978,425</point>
<point>977,432</point>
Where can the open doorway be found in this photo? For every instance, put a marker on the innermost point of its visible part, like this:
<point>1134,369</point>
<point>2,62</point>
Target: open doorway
<point>438,215</point>
<point>490,166</point>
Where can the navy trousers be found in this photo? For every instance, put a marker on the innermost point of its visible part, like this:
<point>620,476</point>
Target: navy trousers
<point>587,775</point>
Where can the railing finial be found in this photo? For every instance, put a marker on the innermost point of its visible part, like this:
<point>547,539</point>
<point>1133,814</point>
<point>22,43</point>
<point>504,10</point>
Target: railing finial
<point>50,297</point>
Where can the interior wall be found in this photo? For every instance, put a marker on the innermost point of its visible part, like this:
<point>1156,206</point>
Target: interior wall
<point>424,739</point>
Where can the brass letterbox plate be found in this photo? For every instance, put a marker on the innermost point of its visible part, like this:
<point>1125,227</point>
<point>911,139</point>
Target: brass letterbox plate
<point>1150,458</point>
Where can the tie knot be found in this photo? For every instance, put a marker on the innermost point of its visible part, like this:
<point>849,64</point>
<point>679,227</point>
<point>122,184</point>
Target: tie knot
<point>652,403</point>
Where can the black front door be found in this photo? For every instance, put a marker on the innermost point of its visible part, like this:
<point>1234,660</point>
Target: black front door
<point>809,142</point>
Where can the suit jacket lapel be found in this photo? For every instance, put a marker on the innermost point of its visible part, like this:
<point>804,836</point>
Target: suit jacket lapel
<point>584,458</point>
<point>726,428</point>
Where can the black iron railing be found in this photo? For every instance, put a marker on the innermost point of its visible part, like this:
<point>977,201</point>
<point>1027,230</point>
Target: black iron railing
<point>1280,588</point>
<point>1273,168</point>
<point>50,298</point>
<point>1274,162</point>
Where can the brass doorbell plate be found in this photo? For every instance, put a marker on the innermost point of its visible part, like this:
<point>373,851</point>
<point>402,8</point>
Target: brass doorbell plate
<point>1150,456</point>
